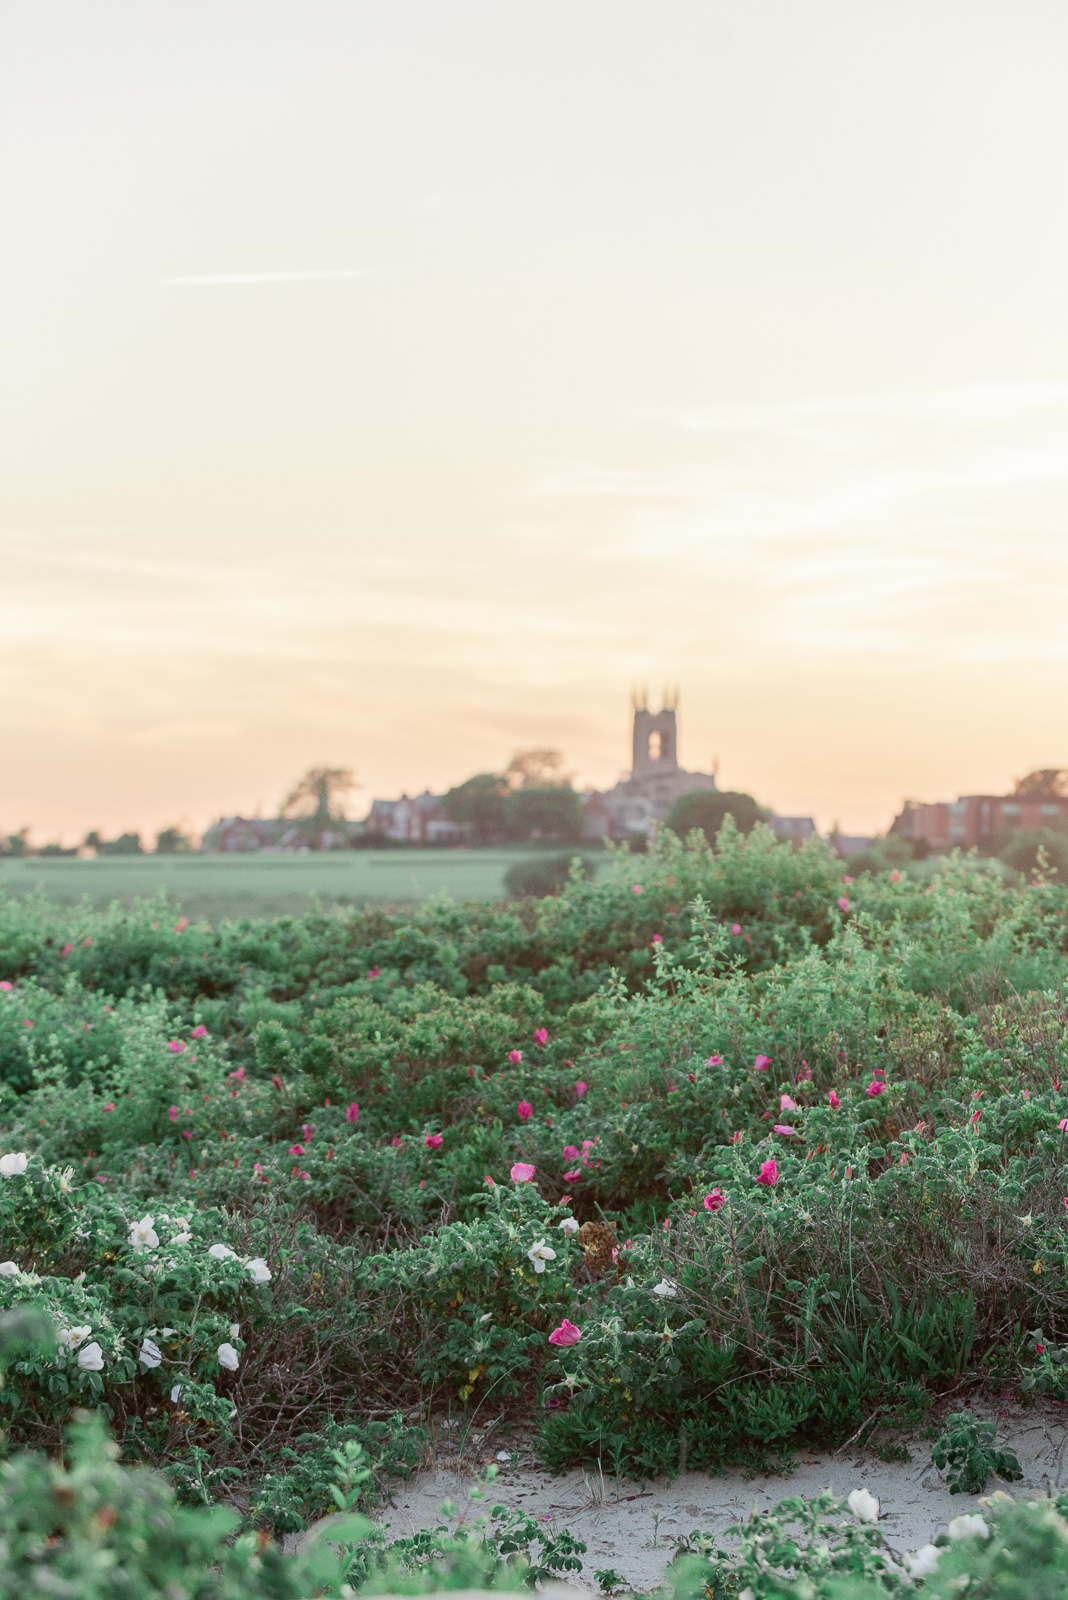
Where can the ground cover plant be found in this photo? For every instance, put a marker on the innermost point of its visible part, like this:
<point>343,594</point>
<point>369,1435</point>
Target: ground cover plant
<point>684,1166</point>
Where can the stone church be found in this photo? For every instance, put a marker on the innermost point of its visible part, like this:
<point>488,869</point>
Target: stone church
<point>655,780</point>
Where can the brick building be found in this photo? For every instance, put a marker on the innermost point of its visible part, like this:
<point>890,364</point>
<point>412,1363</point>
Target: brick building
<point>977,821</point>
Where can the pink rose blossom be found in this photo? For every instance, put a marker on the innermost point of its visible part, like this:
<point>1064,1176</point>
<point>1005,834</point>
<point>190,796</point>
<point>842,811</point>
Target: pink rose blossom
<point>5,984</point>
<point>27,1023</point>
<point>715,1199</point>
<point>276,1080</point>
<point>843,903</point>
<point>572,1177</point>
<point>186,1133</point>
<point>570,1153</point>
<point>715,1061</point>
<point>762,1063</point>
<point>397,1142</point>
<point>181,925</point>
<point>541,1036</point>
<point>352,1113</point>
<point>580,1089</point>
<point>769,1174</point>
<point>515,1057</point>
<point>176,1046</point>
<point>735,1138</point>
<point>847,878</point>
<point>875,1087</point>
<point>833,1100</point>
<point>295,1150</point>
<point>110,1106</point>
<point>174,1113</point>
<point>373,973</point>
<point>804,1076</point>
<point>635,888</point>
<point>524,1110</point>
<point>522,1172</point>
<point>895,876</point>
<point>239,1074</point>
<point>656,939</point>
<point>434,1141</point>
<point>736,928</point>
<point>565,1334</point>
<point>199,1032</point>
<point>786,1104</point>
<point>785,1129</point>
<point>66,950</point>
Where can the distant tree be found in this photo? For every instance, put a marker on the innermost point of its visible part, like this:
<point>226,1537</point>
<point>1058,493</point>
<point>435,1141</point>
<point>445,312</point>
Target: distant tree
<point>535,769</point>
<point>127,844</point>
<point>479,804</point>
<point>172,842</point>
<point>1046,783</point>
<point>1022,851</point>
<point>319,794</point>
<point>707,808</point>
<point>15,844</point>
<point>56,849</point>
<point>541,876</point>
<point>545,811</point>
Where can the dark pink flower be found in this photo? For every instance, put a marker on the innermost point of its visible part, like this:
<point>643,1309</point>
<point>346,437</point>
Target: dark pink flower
<point>66,950</point>
<point>657,939</point>
<point>843,903</point>
<point>786,1104</point>
<point>565,1334</point>
<point>181,925</point>
<point>875,1087</point>
<point>805,1074</point>
<point>434,1141</point>
<point>762,1063</point>
<point>515,1057</point>
<point>524,1110</point>
<point>736,928</point>
<point>522,1172</point>
<point>239,1074</point>
<point>580,1089</point>
<point>27,1023</point>
<point>541,1036</point>
<point>374,973</point>
<point>110,1106</point>
<point>352,1113</point>
<point>846,878</point>
<point>570,1153</point>
<point>715,1199</point>
<point>735,1138</point>
<point>176,1046</point>
<point>295,1150</point>
<point>635,888</point>
<point>785,1129</point>
<point>174,1113</point>
<point>5,984</point>
<point>715,1061</point>
<point>769,1174</point>
<point>833,1100</point>
<point>186,1133</point>
<point>397,1142</point>
<point>199,1032</point>
<point>276,1080</point>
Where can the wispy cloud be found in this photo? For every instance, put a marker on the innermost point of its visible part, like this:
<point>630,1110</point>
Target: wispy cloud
<point>217,280</point>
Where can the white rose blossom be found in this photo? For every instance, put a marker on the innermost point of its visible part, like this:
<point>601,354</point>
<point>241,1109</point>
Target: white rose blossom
<point>667,1288</point>
<point>569,1225</point>
<point>923,1562</point>
<point>8,1269</point>
<point>540,1254</point>
<point>181,1238</point>
<point>964,1527</point>
<point>13,1165</point>
<point>143,1235</point>
<point>176,1394</point>
<point>91,1358</point>
<point>150,1354</point>
<point>863,1505</point>
<point>222,1252</point>
<point>258,1270</point>
<point>228,1357</point>
<point>73,1337</point>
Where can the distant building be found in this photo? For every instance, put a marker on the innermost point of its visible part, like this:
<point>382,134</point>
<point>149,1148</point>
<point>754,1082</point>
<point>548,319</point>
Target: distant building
<point>232,834</point>
<point>241,834</point>
<point>652,786</point>
<point>976,821</point>
<point>419,820</point>
<point>796,829</point>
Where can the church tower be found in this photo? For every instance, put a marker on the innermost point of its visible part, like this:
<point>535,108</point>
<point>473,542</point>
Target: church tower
<point>655,749</point>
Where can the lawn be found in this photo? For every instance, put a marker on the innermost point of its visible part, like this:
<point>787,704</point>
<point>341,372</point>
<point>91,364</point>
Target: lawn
<point>210,888</point>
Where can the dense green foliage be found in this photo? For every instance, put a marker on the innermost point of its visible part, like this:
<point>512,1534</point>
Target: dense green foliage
<point>267,1203</point>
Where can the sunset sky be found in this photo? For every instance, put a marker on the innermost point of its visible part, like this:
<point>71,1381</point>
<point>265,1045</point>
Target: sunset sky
<point>397,385</point>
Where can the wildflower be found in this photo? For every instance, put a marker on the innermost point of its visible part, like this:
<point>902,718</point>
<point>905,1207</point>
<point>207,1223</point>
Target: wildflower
<point>735,1138</point>
<point>539,1254</point>
<point>66,950</point>
<point>833,1100</point>
<point>692,1077</point>
<point>239,1074</point>
<point>736,928</point>
<point>569,1225</point>
<point>91,1358</point>
<point>298,1149</point>
<point>785,1129</point>
<point>587,1144</point>
<point>276,1080</point>
<point>657,938</point>
<point>522,1172</point>
<point>176,1046</point>
<point>714,1200</point>
<point>258,1166</point>
<point>4,984</point>
<point>352,1113</point>
<point>150,1354</point>
<point>805,1074</point>
<point>181,925</point>
<point>541,1036</point>
<point>636,888</point>
<point>762,1063</point>
<point>9,1269</point>
<point>922,1562</point>
<point>863,1505</point>
<point>434,1141</point>
<point>1040,1349</point>
<point>143,1235</point>
<point>875,1087</point>
<point>570,1153</point>
<point>515,1057</point>
<point>373,972</point>
<point>173,1113</point>
<point>1063,1124</point>
<point>176,1394</point>
<point>397,1142</point>
<point>786,1104</point>
<point>73,1337</point>
<point>964,1527</point>
<point>715,1061</point>
<point>199,1032</point>
<point>186,1133</point>
<point>258,1270</point>
<point>185,1236</point>
<point>573,1177</point>
<point>904,1161</point>
<point>110,1106</point>
<point>769,1174</point>
<point>580,1089</point>
<point>27,1024</point>
<point>13,1165</point>
<point>565,1334</point>
<point>974,1118</point>
<point>524,1110</point>
<point>222,1252</point>
<point>843,903</point>
<point>667,1288</point>
<point>228,1357</point>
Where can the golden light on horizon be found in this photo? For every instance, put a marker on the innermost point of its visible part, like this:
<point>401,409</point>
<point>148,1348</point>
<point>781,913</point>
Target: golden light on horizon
<point>397,387</point>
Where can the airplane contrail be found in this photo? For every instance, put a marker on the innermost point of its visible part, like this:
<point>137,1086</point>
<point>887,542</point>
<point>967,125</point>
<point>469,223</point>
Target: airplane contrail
<point>207,280</point>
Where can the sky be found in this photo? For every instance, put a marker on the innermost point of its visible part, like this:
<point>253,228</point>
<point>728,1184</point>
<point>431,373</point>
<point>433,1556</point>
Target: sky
<point>397,386</point>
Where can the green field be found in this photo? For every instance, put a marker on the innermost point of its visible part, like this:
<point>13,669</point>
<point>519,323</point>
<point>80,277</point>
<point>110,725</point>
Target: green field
<point>214,887</point>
